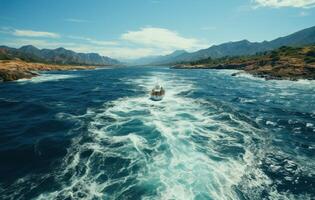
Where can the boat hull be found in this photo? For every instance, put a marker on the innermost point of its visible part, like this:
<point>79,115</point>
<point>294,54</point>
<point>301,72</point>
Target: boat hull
<point>156,98</point>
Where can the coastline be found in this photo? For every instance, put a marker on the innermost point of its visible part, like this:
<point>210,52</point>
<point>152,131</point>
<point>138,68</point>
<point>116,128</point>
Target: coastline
<point>11,70</point>
<point>284,63</point>
<point>268,72</point>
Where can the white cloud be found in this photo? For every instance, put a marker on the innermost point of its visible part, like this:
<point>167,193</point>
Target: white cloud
<point>284,3</point>
<point>76,20</point>
<point>104,43</point>
<point>114,52</point>
<point>96,42</point>
<point>31,33</point>
<point>161,38</point>
<point>133,44</point>
<point>3,31</point>
<point>37,43</point>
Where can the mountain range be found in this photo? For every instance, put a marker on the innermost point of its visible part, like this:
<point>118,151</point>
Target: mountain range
<point>239,48</point>
<point>55,56</point>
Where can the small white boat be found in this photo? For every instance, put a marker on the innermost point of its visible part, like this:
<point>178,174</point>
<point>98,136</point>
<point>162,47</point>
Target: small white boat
<point>157,93</point>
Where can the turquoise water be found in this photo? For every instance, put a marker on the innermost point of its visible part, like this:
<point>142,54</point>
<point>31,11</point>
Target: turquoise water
<point>97,135</point>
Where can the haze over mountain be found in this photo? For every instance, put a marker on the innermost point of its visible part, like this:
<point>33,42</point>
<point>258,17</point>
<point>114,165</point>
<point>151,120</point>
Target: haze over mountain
<point>57,56</point>
<point>157,59</point>
<point>243,47</point>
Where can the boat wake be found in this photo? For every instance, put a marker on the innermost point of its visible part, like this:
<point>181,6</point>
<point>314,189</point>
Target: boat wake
<point>177,148</point>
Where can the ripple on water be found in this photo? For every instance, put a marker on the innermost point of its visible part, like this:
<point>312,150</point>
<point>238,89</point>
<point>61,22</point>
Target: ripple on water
<point>181,147</point>
<point>173,149</point>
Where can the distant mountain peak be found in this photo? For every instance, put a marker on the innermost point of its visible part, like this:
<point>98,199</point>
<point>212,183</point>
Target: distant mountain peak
<point>179,51</point>
<point>58,56</point>
<point>236,42</point>
<point>28,47</point>
<point>244,41</point>
<point>244,47</point>
<point>61,49</point>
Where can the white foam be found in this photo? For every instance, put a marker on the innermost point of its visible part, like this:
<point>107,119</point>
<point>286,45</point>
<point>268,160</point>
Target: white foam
<point>179,166</point>
<point>271,123</point>
<point>47,77</point>
<point>247,100</point>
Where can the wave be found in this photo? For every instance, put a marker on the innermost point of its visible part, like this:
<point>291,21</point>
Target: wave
<point>178,148</point>
<point>46,77</point>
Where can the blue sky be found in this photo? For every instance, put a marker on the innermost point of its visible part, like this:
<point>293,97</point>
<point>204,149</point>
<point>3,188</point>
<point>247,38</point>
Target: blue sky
<point>136,28</point>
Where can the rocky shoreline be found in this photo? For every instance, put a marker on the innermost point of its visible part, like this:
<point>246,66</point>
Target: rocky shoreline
<point>11,70</point>
<point>285,63</point>
<point>279,72</point>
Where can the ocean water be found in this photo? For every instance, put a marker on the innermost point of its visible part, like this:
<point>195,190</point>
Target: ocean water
<point>96,135</point>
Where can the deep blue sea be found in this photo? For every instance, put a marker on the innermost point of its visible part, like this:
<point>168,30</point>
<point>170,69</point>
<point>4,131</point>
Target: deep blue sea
<point>96,135</point>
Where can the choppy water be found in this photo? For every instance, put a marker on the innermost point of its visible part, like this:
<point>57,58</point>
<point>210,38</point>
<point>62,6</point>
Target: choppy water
<point>96,135</point>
